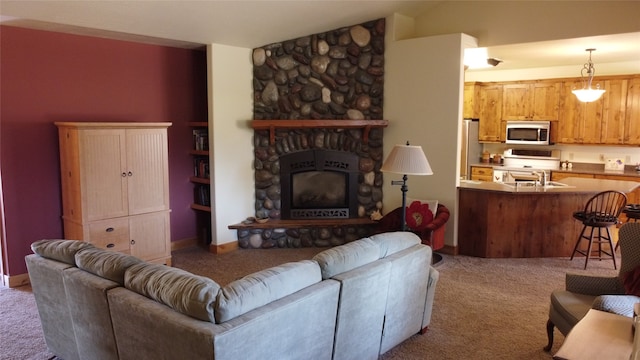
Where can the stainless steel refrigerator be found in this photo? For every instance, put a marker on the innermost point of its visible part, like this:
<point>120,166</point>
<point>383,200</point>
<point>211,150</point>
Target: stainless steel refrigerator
<point>471,151</point>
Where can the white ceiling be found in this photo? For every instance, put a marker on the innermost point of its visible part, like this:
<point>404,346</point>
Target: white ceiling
<point>250,24</point>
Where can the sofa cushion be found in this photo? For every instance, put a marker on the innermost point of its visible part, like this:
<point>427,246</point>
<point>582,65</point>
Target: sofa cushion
<point>265,286</point>
<point>182,291</point>
<point>106,264</point>
<point>60,250</point>
<point>392,242</point>
<point>347,257</point>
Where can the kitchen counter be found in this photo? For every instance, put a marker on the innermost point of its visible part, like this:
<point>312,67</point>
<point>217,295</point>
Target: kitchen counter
<point>579,168</point>
<point>575,185</point>
<point>496,220</point>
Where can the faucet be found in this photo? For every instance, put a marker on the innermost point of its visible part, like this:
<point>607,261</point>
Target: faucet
<point>542,177</point>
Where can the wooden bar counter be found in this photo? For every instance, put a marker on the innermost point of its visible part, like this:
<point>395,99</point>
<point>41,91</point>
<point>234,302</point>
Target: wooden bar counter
<point>502,221</point>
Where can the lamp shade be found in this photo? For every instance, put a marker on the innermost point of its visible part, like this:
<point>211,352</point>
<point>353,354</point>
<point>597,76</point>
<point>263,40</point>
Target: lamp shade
<point>588,95</point>
<point>407,160</point>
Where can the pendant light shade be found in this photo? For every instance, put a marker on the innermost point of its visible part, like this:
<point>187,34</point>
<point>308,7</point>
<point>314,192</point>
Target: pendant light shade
<point>587,94</point>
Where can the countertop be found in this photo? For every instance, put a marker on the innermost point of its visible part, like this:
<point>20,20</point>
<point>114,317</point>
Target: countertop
<point>582,168</point>
<point>576,185</point>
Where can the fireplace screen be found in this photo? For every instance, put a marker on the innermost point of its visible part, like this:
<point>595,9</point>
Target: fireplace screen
<point>319,189</point>
<point>319,184</point>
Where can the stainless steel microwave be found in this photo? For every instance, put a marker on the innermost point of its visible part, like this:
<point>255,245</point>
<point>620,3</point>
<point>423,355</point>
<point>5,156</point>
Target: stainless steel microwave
<point>528,132</point>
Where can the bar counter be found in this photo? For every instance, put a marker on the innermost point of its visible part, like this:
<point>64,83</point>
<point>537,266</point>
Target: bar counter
<point>502,221</point>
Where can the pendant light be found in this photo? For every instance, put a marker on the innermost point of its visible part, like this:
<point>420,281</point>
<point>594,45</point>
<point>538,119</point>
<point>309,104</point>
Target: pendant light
<point>587,94</point>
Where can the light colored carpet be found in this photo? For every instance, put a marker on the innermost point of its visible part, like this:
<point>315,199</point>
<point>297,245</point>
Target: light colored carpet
<point>484,308</point>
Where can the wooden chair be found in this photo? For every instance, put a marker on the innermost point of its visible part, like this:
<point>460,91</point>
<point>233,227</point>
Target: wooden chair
<point>600,212</point>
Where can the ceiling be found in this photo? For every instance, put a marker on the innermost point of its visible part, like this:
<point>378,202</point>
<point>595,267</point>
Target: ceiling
<point>250,24</point>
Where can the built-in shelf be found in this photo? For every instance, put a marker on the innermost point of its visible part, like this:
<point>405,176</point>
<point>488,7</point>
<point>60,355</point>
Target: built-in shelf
<point>199,152</point>
<point>272,125</point>
<point>199,180</point>
<point>201,207</point>
<point>198,123</point>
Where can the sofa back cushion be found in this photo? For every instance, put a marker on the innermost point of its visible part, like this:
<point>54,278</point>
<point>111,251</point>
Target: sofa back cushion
<point>60,250</point>
<point>106,264</point>
<point>265,286</point>
<point>182,291</point>
<point>392,242</point>
<point>347,257</point>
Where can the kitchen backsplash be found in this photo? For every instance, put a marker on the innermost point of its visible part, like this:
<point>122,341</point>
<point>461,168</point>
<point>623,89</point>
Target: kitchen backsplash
<point>581,153</point>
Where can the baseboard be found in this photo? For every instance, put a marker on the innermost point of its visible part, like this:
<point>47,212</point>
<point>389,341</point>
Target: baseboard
<point>184,244</point>
<point>223,248</point>
<point>17,280</point>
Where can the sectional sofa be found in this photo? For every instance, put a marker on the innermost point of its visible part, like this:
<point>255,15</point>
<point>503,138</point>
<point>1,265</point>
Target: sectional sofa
<point>354,301</point>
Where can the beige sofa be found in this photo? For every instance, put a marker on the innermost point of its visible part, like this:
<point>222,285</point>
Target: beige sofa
<point>354,301</point>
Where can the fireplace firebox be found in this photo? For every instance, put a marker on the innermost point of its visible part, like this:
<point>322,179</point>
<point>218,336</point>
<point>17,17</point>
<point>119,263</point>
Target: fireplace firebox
<point>319,184</point>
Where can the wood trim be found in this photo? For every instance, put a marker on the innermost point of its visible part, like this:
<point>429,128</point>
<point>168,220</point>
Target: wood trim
<point>17,280</point>
<point>201,207</point>
<point>296,224</point>
<point>272,125</point>
<point>110,125</point>
<point>184,244</point>
<point>223,248</point>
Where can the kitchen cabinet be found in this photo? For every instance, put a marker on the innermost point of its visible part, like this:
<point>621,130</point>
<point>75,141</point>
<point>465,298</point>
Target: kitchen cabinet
<point>490,126</point>
<point>115,186</point>
<point>579,122</point>
<point>614,100</point>
<point>632,114</point>
<point>482,173</point>
<point>531,101</point>
<point>559,175</point>
<point>471,97</point>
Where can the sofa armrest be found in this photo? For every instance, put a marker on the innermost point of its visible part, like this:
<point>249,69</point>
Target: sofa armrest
<point>593,285</point>
<point>434,276</point>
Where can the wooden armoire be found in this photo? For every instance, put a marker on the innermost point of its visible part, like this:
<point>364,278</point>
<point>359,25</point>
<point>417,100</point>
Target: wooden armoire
<point>115,186</point>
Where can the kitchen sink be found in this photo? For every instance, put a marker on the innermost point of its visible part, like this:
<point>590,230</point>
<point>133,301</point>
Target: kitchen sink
<point>550,184</point>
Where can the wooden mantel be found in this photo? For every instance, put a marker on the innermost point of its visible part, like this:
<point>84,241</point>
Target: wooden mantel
<point>272,125</point>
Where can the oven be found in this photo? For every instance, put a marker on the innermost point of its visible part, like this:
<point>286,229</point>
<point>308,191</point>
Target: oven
<point>526,165</point>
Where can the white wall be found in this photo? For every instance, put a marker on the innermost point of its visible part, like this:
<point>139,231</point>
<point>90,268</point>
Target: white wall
<point>514,22</point>
<point>230,78</point>
<point>423,92</point>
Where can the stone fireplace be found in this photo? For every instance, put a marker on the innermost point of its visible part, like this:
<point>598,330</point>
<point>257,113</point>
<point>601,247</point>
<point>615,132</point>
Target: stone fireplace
<point>318,138</point>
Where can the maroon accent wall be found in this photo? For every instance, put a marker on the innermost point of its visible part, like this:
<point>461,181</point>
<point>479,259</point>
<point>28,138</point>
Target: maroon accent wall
<point>47,77</point>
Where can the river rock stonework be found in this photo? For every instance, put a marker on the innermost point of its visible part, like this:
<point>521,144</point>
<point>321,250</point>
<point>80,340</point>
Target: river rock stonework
<point>336,75</point>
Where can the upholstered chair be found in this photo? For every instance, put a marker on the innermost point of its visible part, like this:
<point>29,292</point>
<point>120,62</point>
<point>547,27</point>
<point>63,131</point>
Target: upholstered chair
<point>584,292</point>
<point>432,235</point>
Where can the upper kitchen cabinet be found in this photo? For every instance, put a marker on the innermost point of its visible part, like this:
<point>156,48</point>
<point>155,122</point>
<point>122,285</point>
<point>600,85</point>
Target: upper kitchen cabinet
<point>580,123</point>
<point>531,101</point>
<point>490,127</point>
<point>632,113</point>
<point>613,112</point>
<point>470,101</point>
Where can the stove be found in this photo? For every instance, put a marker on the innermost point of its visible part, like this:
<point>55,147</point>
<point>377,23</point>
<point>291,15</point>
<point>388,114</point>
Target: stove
<point>526,165</point>
<point>518,159</point>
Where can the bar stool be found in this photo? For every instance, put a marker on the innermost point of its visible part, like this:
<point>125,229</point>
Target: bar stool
<point>601,211</point>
